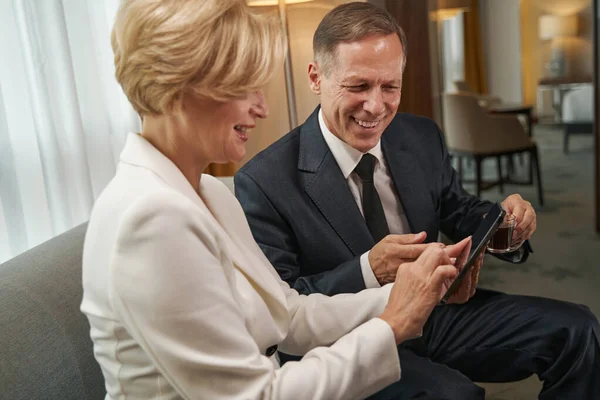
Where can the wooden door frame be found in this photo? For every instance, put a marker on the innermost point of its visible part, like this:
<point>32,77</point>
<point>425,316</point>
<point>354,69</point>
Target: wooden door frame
<point>418,91</point>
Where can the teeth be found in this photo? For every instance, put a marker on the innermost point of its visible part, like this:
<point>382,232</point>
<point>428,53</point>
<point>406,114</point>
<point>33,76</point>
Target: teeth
<point>367,124</point>
<point>242,129</point>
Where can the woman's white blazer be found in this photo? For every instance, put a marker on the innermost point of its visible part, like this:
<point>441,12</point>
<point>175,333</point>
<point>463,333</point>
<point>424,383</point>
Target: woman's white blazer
<point>183,304</point>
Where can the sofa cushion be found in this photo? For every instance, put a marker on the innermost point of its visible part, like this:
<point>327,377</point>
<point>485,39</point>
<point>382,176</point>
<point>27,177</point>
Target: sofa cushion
<point>46,350</point>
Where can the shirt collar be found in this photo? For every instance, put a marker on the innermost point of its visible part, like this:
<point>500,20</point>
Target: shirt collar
<point>346,156</point>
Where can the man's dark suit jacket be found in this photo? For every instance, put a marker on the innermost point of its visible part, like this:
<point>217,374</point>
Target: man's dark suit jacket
<point>303,215</point>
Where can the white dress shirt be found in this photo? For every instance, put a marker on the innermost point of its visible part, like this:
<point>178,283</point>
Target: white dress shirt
<point>348,158</point>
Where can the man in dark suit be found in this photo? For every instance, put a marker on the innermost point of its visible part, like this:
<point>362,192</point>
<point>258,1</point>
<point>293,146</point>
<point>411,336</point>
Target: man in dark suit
<point>339,202</point>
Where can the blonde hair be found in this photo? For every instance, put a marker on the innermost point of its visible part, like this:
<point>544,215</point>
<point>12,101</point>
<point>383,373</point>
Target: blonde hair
<point>216,49</point>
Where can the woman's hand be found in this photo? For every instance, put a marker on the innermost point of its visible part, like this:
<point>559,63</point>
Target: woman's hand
<point>419,286</point>
<point>468,285</point>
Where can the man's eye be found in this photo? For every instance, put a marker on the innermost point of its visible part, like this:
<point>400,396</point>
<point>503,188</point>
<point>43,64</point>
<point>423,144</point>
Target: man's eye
<point>357,88</point>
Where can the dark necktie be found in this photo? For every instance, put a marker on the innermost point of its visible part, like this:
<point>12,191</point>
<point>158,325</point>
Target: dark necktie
<point>371,204</point>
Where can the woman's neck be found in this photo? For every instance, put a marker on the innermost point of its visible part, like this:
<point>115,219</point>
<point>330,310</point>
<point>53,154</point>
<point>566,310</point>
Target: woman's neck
<point>166,135</point>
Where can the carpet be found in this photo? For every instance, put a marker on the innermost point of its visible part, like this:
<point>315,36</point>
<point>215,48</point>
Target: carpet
<point>566,263</point>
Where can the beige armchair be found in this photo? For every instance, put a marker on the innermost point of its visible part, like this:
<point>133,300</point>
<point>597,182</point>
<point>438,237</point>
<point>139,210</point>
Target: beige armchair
<point>484,100</point>
<point>473,132</point>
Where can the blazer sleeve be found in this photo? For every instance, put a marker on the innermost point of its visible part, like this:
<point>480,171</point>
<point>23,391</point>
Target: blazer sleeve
<point>320,320</point>
<point>461,212</point>
<point>170,290</point>
<point>277,241</point>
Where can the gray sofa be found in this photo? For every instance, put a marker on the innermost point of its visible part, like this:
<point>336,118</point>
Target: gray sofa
<point>45,347</point>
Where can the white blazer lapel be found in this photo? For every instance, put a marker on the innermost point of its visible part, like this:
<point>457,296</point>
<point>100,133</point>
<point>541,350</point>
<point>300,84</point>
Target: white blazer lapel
<point>245,253</point>
<point>229,219</point>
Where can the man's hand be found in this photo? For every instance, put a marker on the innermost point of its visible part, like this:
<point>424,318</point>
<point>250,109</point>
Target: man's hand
<point>393,250</point>
<point>525,215</point>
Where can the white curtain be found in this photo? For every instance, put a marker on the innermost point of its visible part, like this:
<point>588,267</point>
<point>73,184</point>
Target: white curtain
<point>63,117</point>
<point>453,51</point>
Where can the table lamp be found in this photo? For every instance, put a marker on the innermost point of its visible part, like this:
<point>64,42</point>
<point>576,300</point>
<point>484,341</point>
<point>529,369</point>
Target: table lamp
<point>554,28</point>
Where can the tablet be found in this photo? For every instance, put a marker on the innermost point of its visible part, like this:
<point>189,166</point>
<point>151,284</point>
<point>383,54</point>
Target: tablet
<point>480,238</point>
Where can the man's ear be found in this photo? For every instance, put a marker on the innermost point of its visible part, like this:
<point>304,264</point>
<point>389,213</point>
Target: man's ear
<point>314,78</point>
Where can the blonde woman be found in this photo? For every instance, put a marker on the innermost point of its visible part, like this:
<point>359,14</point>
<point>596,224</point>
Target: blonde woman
<point>181,301</point>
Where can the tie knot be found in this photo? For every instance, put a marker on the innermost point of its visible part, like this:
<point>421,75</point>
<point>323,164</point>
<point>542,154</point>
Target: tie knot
<point>366,167</point>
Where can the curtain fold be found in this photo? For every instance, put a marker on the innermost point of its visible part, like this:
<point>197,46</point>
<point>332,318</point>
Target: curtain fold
<point>531,52</point>
<point>63,117</point>
<point>55,110</point>
<point>474,63</point>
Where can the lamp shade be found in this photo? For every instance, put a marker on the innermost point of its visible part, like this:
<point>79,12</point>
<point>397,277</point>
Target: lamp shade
<point>552,26</point>
<point>562,7</point>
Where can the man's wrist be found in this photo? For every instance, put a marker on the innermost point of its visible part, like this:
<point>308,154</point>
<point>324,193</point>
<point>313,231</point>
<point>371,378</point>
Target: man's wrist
<point>367,272</point>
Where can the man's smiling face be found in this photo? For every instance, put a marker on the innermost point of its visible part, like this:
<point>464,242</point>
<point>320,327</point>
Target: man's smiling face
<point>360,92</point>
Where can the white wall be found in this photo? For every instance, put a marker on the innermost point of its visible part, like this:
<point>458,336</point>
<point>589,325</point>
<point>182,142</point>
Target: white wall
<point>501,40</point>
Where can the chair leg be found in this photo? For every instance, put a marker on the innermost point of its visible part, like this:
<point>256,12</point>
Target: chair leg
<point>531,165</point>
<point>510,166</point>
<point>500,177</point>
<point>566,141</point>
<point>535,161</point>
<point>478,176</point>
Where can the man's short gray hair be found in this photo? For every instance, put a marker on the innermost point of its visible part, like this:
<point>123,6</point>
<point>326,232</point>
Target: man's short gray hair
<point>351,22</point>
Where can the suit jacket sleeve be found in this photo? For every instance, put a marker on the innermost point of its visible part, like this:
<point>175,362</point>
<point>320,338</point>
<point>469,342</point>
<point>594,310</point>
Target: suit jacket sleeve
<point>170,290</point>
<point>461,212</point>
<point>278,243</point>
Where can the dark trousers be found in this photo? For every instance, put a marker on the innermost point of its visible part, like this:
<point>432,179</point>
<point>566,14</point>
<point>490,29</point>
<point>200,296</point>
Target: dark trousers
<point>497,337</point>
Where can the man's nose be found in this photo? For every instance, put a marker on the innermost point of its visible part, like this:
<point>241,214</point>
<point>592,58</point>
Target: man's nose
<point>374,103</point>
<point>260,108</point>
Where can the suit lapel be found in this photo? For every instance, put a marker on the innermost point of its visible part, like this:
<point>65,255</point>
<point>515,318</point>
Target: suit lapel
<point>325,185</point>
<point>409,179</point>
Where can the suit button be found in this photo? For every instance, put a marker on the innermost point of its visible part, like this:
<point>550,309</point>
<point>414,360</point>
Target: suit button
<point>271,350</point>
